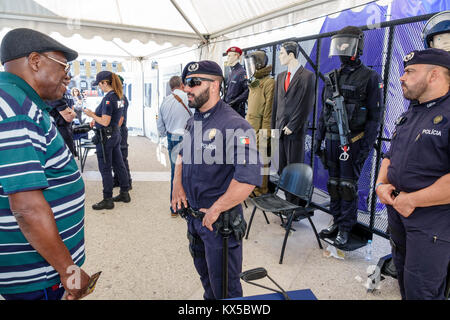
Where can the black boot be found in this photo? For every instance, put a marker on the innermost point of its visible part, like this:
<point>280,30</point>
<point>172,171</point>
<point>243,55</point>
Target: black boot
<point>104,204</point>
<point>341,238</point>
<point>330,232</point>
<point>123,196</point>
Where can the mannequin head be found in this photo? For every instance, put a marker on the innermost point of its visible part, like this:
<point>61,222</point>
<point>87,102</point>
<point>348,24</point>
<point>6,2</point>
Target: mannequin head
<point>436,33</point>
<point>288,52</point>
<point>233,56</point>
<point>441,41</point>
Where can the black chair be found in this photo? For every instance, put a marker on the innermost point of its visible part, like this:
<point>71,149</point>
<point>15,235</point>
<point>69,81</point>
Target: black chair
<point>295,179</point>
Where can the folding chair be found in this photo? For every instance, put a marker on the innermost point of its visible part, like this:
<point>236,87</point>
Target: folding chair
<point>295,179</point>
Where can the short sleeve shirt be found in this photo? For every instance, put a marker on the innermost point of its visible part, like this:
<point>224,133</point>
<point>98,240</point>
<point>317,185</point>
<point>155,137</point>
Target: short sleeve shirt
<point>33,156</point>
<point>110,105</point>
<point>420,149</point>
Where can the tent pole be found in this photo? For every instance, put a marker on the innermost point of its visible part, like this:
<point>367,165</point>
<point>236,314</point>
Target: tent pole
<point>140,59</point>
<point>204,40</point>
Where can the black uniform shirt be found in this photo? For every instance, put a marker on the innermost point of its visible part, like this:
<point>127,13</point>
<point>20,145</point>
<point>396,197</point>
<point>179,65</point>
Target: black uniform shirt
<point>110,106</point>
<point>219,146</point>
<point>420,149</point>
<point>237,88</point>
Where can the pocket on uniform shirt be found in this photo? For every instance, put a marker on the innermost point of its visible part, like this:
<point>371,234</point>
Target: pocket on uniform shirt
<point>428,151</point>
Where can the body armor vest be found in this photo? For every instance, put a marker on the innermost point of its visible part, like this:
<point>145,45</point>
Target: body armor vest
<point>352,87</point>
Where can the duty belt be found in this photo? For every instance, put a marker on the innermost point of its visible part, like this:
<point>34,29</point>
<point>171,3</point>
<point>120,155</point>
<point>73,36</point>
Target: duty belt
<point>335,136</point>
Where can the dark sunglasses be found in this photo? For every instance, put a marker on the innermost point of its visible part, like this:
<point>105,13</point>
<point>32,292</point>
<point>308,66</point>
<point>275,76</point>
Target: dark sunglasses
<point>195,81</point>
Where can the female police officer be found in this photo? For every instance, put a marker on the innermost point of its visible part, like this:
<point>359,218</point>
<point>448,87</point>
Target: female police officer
<point>107,119</point>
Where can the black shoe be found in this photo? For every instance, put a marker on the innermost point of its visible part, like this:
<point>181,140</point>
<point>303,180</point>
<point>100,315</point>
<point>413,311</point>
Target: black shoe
<point>331,231</point>
<point>123,196</point>
<point>341,238</point>
<point>104,204</point>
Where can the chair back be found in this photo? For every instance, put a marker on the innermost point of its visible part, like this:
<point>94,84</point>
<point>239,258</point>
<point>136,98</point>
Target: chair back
<point>297,179</point>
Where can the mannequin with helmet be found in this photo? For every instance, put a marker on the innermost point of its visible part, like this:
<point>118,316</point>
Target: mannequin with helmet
<point>360,88</point>
<point>259,113</point>
<point>436,33</point>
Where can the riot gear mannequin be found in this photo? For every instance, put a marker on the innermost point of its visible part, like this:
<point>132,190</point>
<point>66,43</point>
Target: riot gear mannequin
<point>259,114</point>
<point>349,121</point>
<point>236,87</point>
<point>436,33</point>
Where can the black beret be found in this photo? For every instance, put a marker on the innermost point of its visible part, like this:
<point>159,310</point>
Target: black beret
<point>432,56</point>
<point>202,67</point>
<point>20,42</point>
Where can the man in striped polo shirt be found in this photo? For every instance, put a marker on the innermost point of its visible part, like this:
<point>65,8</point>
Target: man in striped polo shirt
<point>41,189</point>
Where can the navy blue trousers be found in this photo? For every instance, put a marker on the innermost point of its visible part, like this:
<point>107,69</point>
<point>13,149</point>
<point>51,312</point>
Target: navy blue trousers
<point>207,252</point>
<point>172,141</point>
<point>113,156</point>
<point>345,213</point>
<point>422,251</point>
<point>124,150</point>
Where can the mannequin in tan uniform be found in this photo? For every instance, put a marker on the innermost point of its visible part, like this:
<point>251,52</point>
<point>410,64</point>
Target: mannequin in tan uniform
<point>259,113</point>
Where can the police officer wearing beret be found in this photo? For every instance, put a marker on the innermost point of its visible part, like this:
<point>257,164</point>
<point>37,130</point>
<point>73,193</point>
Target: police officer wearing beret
<point>107,119</point>
<point>237,88</point>
<point>414,178</point>
<point>217,169</point>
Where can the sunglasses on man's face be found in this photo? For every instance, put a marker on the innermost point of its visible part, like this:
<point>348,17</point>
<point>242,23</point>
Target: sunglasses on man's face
<point>195,81</point>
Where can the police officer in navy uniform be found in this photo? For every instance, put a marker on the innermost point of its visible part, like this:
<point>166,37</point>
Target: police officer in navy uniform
<point>124,140</point>
<point>217,169</point>
<point>106,119</point>
<point>361,89</point>
<point>237,87</point>
<point>414,178</point>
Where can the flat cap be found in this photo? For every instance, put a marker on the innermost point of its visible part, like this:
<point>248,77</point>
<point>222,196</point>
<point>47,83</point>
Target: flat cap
<point>432,56</point>
<point>20,42</point>
<point>235,49</point>
<point>202,67</point>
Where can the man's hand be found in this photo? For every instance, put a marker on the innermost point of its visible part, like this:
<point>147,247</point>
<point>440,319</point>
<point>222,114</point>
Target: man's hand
<point>75,282</point>
<point>92,123</point>
<point>384,193</point>
<point>404,204</point>
<point>211,216</point>
<point>178,196</point>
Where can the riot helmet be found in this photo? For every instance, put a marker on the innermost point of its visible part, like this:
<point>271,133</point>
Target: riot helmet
<point>438,24</point>
<point>348,42</point>
<point>255,61</point>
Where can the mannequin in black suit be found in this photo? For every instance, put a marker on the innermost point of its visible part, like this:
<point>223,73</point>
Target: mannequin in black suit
<point>294,98</point>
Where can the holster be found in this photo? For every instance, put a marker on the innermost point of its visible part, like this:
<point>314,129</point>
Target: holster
<point>238,225</point>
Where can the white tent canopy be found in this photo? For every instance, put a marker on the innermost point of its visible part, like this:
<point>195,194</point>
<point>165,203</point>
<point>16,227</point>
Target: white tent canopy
<point>140,28</point>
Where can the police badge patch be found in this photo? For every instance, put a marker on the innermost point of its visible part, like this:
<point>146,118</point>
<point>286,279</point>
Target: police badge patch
<point>408,57</point>
<point>212,134</point>
<point>438,119</point>
<point>193,67</point>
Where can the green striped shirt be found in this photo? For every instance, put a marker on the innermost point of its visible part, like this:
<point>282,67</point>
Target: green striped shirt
<point>33,156</point>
